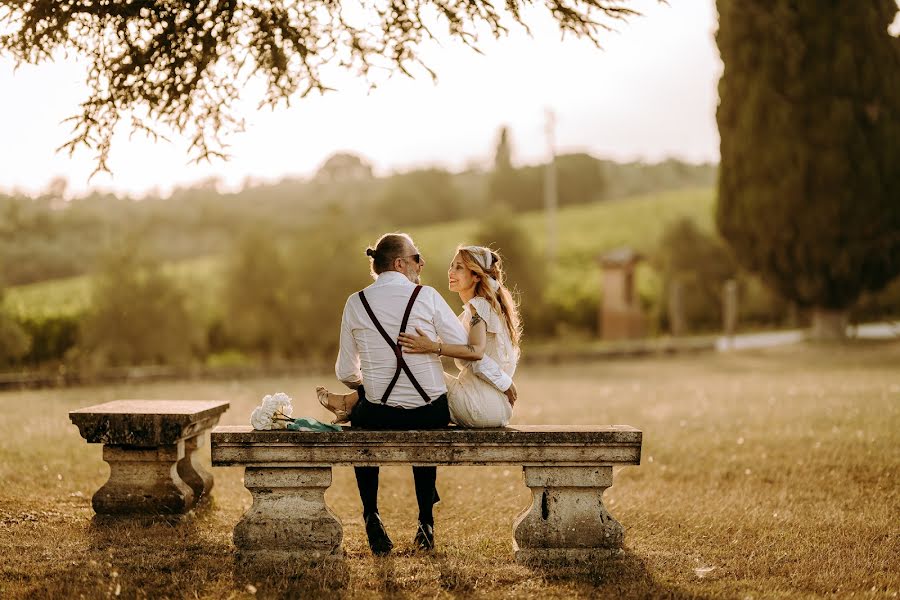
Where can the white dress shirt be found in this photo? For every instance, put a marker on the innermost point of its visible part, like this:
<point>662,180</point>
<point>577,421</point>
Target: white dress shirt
<point>365,357</point>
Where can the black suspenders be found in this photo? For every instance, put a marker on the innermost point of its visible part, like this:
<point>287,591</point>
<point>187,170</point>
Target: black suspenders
<point>401,364</point>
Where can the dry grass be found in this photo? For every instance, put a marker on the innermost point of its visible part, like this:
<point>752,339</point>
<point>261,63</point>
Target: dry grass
<point>777,469</point>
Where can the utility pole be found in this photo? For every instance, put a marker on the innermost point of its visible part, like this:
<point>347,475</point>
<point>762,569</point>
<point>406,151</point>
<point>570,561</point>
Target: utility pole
<point>550,191</point>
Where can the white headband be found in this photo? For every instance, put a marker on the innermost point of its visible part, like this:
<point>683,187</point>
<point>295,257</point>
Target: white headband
<point>485,260</point>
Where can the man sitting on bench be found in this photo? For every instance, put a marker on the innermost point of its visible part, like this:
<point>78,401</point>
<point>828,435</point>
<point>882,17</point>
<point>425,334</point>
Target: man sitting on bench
<point>396,391</point>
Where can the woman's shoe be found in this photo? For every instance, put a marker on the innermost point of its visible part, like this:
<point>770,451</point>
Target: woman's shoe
<point>341,414</point>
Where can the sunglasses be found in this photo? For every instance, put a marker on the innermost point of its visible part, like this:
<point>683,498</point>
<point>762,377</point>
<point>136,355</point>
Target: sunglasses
<point>415,257</point>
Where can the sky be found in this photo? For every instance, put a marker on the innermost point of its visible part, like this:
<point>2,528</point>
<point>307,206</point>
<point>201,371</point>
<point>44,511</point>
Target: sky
<point>648,94</point>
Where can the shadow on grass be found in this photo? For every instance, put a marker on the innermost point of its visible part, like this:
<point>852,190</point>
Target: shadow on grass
<point>385,575</point>
<point>454,579</point>
<point>180,532</point>
<point>624,576</point>
<point>128,557</point>
<point>330,579</point>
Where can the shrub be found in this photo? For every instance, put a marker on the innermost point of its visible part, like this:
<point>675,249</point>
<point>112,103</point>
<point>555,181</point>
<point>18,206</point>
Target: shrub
<point>324,273</point>
<point>883,305</point>
<point>52,337</point>
<point>285,300</point>
<point>701,264</point>
<point>571,303</point>
<point>139,315</point>
<point>525,269</point>
<point>14,341</point>
<point>257,309</point>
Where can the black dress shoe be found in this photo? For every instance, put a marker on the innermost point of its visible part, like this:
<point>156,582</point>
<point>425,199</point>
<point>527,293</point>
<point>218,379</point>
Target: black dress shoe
<point>379,541</point>
<point>424,537</point>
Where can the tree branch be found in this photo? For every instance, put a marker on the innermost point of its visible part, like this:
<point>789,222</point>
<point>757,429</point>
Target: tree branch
<point>182,64</point>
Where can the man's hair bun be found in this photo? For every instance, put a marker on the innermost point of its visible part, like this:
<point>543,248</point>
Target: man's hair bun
<point>370,252</point>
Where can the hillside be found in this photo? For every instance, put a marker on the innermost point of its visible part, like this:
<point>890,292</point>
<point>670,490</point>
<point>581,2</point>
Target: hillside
<point>585,231</point>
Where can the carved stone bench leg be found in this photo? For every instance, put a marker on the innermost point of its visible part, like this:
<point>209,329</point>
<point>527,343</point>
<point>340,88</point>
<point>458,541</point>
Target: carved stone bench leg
<point>289,521</point>
<point>143,481</point>
<point>194,467</point>
<point>567,521</point>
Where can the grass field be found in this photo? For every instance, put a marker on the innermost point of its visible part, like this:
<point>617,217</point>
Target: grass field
<point>584,232</point>
<point>773,474</point>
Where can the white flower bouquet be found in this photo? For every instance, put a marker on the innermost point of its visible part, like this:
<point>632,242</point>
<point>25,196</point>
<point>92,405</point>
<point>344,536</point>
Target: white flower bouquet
<point>274,412</point>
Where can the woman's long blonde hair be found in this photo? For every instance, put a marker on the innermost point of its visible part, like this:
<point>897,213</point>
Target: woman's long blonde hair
<point>501,300</point>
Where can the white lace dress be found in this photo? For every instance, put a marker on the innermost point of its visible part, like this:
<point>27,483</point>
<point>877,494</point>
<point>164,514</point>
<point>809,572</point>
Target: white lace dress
<point>473,401</point>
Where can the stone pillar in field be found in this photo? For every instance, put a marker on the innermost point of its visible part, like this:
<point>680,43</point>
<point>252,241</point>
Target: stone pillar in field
<point>729,308</point>
<point>675,306</point>
<point>621,316</point>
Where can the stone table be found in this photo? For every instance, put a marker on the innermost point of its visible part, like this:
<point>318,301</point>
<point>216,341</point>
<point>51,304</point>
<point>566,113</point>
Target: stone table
<point>151,447</point>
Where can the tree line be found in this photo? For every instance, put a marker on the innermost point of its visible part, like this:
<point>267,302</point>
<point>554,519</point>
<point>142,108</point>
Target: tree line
<point>48,237</point>
<point>279,299</point>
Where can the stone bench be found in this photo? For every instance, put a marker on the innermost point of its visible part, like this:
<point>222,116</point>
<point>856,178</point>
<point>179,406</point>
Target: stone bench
<point>567,469</point>
<point>151,447</point>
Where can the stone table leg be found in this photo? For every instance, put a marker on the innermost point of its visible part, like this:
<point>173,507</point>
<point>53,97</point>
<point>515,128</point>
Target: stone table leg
<point>194,467</point>
<point>289,521</point>
<point>143,481</point>
<point>567,521</point>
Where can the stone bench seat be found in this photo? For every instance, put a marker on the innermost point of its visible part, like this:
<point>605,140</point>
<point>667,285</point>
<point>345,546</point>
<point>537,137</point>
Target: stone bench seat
<point>567,469</point>
<point>151,447</point>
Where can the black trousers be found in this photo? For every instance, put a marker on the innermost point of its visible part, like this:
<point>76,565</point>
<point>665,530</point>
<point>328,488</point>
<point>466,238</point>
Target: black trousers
<point>369,415</point>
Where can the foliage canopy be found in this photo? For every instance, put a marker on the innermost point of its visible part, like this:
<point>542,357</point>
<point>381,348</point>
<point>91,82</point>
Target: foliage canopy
<point>183,64</point>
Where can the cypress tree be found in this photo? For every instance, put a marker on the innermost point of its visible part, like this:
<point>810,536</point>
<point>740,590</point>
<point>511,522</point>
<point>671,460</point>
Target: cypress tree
<point>504,186</point>
<point>809,119</point>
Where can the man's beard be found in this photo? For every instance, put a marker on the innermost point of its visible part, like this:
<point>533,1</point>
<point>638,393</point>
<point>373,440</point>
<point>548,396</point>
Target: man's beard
<point>413,276</point>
